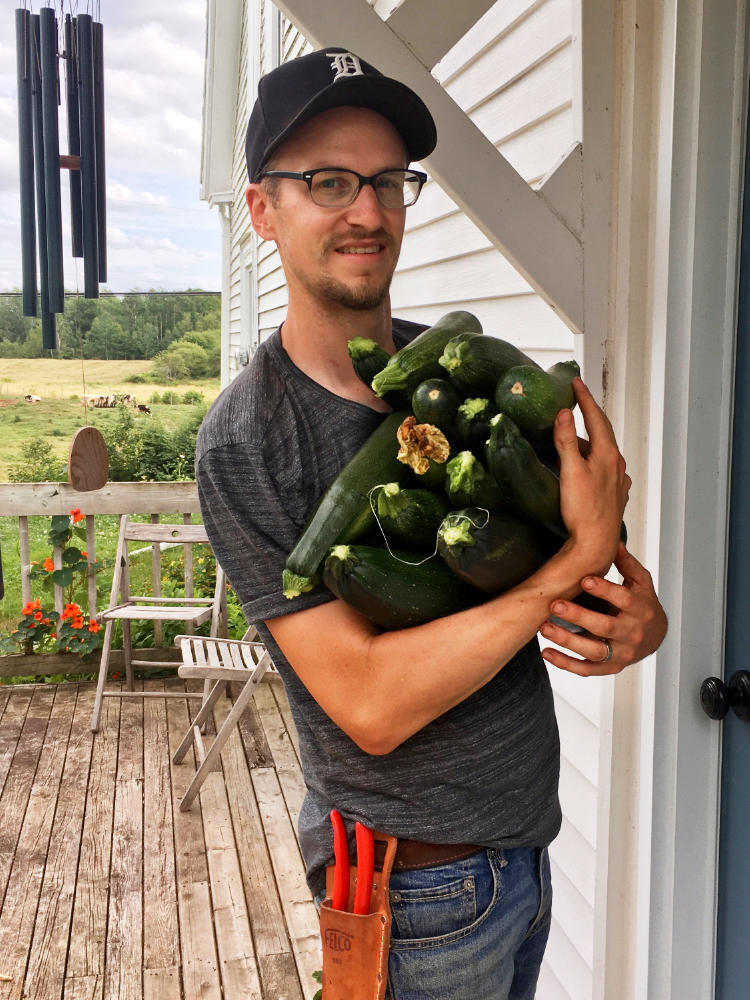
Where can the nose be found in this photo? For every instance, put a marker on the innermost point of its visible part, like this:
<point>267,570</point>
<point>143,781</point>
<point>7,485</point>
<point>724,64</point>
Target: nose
<point>366,210</point>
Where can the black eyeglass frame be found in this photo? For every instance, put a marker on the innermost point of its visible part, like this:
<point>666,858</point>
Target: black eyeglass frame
<point>308,175</point>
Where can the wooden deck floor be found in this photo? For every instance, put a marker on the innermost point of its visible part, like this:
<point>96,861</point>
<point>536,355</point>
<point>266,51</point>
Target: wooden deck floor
<point>109,892</point>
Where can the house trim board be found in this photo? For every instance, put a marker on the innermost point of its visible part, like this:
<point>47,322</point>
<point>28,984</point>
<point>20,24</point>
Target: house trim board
<point>703,118</point>
<point>514,217</point>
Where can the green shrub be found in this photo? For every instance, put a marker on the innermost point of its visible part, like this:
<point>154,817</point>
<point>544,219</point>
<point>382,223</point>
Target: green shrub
<point>193,398</point>
<point>137,379</point>
<point>38,464</point>
<point>170,397</point>
<point>155,397</point>
<point>147,451</point>
<point>181,360</point>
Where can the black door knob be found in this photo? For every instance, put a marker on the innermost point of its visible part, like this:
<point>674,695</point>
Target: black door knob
<point>717,697</point>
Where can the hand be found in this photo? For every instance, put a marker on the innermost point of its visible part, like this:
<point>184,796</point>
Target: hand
<point>594,486</point>
<point>634,629</point>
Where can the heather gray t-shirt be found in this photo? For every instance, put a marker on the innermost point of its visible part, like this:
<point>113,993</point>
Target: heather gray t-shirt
<point>485,772</point>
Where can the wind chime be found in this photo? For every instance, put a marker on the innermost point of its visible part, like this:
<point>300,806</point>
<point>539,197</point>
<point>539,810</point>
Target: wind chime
<point>39,96</point>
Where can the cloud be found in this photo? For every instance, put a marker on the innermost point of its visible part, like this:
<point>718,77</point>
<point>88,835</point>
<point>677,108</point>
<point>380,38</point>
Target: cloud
<point>117,192</point>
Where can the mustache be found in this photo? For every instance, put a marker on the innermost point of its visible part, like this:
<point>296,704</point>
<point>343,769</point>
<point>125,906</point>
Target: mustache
<point>379,235</point>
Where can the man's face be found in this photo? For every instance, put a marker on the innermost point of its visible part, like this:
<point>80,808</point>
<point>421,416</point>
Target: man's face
<point>339,256</point>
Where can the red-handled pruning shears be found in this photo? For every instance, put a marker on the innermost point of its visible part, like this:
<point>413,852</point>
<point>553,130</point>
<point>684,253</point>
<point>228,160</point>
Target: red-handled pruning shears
<point>365,864</point>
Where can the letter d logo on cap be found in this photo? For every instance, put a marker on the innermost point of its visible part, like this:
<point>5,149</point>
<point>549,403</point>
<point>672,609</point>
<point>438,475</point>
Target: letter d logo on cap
<point>345,64</point>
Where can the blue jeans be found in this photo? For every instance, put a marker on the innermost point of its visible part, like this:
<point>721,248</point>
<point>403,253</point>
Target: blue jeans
<point>470,930</point>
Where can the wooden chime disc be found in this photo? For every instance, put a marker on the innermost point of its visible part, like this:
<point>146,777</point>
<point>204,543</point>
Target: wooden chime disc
<point>88,462</point>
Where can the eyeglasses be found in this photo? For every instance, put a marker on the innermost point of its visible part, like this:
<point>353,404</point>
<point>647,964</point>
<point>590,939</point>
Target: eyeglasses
<point>332,187</point>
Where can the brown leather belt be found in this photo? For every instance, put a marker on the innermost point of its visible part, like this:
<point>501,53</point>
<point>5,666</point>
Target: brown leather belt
<point>412,854</point>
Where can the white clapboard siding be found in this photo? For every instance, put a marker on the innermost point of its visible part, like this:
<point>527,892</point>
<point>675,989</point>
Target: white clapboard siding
<point>512,73</point>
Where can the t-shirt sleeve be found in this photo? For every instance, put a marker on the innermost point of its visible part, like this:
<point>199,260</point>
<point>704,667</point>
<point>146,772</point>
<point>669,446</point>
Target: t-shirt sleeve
<point>249,530</point>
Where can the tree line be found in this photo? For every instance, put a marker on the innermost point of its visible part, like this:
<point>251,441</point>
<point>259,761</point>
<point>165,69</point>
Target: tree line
<point>130,327</point>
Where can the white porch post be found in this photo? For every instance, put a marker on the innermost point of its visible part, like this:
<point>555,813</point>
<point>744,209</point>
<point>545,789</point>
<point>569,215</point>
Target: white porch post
<point>704,106</point>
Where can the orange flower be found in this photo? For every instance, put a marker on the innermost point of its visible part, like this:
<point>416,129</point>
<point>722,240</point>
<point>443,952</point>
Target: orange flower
<point>77,515</point>
<point>77,623</point>
<point>45,621</point>
<point>48,564</point>
<point>31,606</point>
<point>84,553</point>
<point>94,626</point>
<point>53,635</point>
<point>38,616</point>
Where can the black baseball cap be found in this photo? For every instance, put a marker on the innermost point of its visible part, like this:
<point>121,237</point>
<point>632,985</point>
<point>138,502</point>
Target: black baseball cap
<point>296,91</point>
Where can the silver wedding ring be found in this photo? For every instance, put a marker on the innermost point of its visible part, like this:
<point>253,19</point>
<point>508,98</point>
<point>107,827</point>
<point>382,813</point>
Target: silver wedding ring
<point>608,657</point>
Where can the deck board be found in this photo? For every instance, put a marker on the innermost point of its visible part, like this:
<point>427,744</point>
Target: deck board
<point>110,892</point>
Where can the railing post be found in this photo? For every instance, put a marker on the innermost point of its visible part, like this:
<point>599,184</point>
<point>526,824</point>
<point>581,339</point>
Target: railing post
<point>90,558</point>
<point>57,589</point>
<point>188,560</point>
<point>23,543</point>
<point>156,580</point>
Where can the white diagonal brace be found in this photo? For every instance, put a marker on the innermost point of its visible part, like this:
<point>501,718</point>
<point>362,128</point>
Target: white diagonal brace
<point>465,163</point>
<point>430,34</point>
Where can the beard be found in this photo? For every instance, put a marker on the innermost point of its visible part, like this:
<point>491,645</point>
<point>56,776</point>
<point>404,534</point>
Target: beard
<point>361,299</point>
<point>362,296</point>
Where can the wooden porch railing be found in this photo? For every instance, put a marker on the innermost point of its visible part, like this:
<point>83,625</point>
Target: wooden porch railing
<point>24,500</point>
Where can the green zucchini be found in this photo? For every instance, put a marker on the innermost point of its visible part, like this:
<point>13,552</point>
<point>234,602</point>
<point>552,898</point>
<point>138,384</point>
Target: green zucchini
<point>472,423</point>
<point>367,357</point>
<point>436,401</point>
<point>492,552</point>
<point>532,398</point>
<point>529,487</point>
<point>418,360</point>
<point>390,589</point>
<point>476,367</point>
<point>468,484</point>
<point>410,515</point>
<point>344,511</point>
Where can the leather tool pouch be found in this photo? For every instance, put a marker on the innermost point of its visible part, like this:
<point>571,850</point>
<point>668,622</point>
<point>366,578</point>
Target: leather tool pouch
<point>355,946</point>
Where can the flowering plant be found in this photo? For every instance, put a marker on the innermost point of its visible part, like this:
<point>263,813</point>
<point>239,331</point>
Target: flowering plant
<point>45,630</point>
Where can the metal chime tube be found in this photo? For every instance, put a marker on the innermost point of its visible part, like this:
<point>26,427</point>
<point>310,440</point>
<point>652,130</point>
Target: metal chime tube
<point>74,136</point>
<point>84,37</point>
<point>50,133</point>
<point>26,163</point>
<point>101,173</point>
<point>49,325</point>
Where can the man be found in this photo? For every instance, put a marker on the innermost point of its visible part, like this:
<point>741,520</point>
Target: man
<point>444,734</point>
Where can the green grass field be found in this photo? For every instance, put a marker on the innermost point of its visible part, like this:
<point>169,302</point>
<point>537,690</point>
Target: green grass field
<point>59,414</point>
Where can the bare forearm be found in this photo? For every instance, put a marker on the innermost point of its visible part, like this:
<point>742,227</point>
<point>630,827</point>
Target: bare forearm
<point>417,674</point>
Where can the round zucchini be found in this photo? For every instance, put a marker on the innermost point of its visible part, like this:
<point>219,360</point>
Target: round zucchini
<point>472,423</point>
<point>436,401</point>
<point>395,590</point>
<point>367,357</point>
<point>468,484</point>
<point>532,398</point>
<point>492,552</point>
<point>410,515</point>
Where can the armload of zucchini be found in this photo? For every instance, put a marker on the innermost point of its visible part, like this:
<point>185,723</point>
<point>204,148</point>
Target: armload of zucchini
<point>460,484</point>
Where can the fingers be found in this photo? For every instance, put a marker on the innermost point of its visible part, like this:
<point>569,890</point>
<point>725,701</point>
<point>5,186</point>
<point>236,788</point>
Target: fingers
<point>598,667</point>
<point>596,421</point>
<point>564,434</point>
<point>590,646</point>
<point>631,569</point>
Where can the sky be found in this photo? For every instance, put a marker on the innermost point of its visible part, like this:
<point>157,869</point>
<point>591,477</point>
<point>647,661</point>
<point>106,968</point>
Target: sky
<point>160,234</point>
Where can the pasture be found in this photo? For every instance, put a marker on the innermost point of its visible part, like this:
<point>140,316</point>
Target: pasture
<point>60,386</point>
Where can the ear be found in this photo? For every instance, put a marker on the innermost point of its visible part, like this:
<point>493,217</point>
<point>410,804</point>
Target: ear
<point>261,211</point>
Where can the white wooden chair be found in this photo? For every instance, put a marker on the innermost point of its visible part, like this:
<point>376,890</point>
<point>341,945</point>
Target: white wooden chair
<point>222,661</point>
<point>123,607</point>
